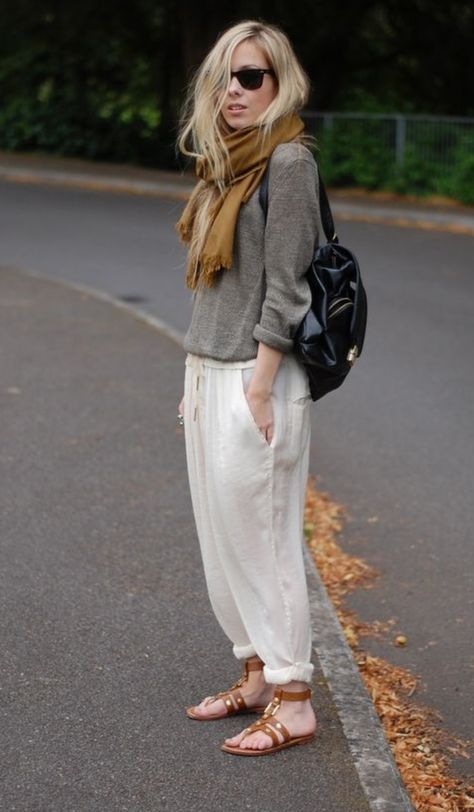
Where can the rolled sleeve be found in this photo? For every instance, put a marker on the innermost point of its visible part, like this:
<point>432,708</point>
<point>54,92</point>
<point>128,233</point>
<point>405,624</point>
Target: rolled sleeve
<point>291,236</point>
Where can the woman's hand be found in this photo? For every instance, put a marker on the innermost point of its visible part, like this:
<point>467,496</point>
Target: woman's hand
<point>259,389</point>
<point>260,405</point>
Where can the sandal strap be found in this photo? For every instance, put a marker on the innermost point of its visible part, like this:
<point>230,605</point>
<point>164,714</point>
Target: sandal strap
<point>279,726</point>
<point>297,696</point>
<point>255,726</point>
<point>266,725</point>
<point>256,665</point>
<point>274,736</point>
<point>229,705</point>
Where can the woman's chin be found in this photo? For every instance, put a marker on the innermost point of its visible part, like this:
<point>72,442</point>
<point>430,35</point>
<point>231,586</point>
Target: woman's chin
<point>238,123</point>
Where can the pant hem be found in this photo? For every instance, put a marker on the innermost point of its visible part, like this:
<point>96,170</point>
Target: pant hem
<point>242,652</point>
<point>303,672</point>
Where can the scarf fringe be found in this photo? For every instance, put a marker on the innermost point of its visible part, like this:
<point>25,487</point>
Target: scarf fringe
<point>208,267</point>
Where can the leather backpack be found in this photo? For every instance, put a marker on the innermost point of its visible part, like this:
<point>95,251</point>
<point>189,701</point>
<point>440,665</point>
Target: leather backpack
<point>331,336</point>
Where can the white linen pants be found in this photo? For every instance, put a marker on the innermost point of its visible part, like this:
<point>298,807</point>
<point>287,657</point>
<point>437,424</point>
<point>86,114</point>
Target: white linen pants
<point>248,500</point>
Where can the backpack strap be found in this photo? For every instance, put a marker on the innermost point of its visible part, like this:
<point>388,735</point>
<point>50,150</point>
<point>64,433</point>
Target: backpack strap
<point>325,209</point>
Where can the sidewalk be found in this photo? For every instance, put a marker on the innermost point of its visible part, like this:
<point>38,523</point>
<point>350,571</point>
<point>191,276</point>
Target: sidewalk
<point>107,631</point>
<point>376,207</point>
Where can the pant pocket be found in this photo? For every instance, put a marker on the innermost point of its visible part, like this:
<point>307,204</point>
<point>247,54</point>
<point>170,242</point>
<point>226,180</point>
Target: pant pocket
<point>245,375</point>
<point>299,386</point>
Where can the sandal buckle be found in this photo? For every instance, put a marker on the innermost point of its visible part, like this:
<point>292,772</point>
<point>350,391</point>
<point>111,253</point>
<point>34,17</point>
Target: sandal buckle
<point>272,707</point>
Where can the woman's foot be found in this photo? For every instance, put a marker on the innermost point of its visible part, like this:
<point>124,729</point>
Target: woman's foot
<point>297,716</point>
<point>254,690</point>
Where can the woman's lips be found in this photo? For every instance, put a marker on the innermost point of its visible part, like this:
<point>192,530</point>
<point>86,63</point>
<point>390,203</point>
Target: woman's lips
<point>236,110</point>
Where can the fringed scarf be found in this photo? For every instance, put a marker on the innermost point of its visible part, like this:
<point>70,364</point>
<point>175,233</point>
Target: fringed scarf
<point>248,161</point>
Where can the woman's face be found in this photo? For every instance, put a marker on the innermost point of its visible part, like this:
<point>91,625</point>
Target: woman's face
<point>251,103</point>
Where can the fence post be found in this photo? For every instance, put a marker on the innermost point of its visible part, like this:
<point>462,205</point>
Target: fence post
<point>400,138</point>
<point>327,122</point>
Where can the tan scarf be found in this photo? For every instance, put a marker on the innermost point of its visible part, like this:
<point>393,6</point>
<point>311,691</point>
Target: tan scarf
<point>248,161</point>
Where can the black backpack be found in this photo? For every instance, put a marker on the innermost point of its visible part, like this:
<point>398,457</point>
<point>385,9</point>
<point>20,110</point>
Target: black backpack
<point>331,335</point>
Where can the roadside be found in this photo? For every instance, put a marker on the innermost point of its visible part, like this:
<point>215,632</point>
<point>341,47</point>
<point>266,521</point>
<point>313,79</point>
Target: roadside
<point>178,186</point>
<point>106,628</point>
<point>425,751</point>
<point>347,204</point>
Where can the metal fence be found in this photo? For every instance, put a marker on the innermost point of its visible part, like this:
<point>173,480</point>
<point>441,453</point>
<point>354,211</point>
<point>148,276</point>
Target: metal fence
<point>431,139</point>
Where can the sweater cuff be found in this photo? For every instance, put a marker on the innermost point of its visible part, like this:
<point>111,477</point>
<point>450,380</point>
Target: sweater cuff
<point>272,339</point>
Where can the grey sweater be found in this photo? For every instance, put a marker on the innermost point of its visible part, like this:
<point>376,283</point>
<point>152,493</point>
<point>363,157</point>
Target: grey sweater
<point>264,295</point>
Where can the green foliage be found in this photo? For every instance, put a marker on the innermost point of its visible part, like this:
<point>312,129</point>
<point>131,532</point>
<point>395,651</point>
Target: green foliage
<point>415,175</point>
<point>357,153</point>
<point>351,153</point>
<point>459,183</point>
<point>83,79</point>
<point>106,80</point>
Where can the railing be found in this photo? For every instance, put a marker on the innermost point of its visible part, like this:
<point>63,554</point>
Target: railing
<point>434,139</point>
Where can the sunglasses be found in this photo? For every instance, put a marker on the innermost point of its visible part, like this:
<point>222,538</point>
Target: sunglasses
<point>251,78</point>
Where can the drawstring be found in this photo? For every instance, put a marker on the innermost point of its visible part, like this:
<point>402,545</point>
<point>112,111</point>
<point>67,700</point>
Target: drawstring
<point>199,365</point>
<point>196,397</point>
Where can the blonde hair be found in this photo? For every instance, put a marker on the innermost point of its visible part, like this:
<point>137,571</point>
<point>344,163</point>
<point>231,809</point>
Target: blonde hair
<point>201,127</point>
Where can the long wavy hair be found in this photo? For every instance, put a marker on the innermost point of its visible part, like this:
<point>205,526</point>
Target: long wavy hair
<point>202,128</point>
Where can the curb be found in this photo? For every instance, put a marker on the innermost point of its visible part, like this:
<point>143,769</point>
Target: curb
<point>180,190</point>
<point>434,221</point>
<point>378,774</point>
<point>77,180</point>
<point>373,758</point>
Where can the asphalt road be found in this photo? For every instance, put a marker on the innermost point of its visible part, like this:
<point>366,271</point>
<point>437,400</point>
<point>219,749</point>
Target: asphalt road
<point>395,444</point>
<point>106,628</point>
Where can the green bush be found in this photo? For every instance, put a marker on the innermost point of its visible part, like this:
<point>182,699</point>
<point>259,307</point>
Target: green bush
<point>415,176</point>
<point>459,182</point>
<point>351,155</point>
<point>114,127</point>
<point>354,153</point>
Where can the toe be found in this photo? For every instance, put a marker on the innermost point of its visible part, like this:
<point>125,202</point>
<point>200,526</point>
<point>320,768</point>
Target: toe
<point>234,740</point>
<point>253,741</point>
<point>207,708</point>
<point>264,742</point>
<point>257,741</point>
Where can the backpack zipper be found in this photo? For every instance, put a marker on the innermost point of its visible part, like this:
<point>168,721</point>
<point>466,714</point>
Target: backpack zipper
<point>338,306</point>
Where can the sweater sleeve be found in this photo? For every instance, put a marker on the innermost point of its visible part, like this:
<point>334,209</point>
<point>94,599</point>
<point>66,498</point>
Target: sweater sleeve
<point>291,235</point>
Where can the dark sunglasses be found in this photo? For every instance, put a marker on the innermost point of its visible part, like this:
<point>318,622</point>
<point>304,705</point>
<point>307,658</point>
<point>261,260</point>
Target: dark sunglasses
<point>251,78</point>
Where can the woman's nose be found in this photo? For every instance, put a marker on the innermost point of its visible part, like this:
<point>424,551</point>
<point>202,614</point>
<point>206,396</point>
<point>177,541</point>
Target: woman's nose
<point>234,85</point>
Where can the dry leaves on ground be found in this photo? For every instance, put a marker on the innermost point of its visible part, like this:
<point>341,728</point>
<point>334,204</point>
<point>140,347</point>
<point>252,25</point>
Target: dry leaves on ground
<point>420,747</point>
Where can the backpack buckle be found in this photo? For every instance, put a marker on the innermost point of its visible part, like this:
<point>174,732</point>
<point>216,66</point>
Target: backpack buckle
<point>352,354</point>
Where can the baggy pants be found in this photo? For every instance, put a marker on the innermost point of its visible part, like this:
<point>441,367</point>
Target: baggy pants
<point>248,499</point>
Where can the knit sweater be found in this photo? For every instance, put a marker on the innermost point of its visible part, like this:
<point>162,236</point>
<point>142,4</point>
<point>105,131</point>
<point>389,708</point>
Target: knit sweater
<point>264,295</point>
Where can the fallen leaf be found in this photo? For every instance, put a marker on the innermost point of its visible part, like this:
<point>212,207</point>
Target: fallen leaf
<point>421,748</point>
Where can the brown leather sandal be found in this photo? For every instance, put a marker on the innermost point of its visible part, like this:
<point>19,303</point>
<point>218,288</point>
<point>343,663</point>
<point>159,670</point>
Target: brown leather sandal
<point>272,726</point>
<point>230,708</point>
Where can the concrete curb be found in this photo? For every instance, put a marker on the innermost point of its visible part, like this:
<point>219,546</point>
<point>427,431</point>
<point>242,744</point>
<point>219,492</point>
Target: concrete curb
<point>405,218</point>
<point>373,759</point>
<point>180,190</point>
<point>77,180</point>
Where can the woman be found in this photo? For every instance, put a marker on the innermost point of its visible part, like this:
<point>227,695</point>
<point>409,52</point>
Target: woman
<point>246,399</point>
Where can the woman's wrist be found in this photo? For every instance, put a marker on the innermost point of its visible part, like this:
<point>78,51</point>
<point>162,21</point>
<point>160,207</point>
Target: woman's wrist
<point>259,391</point>
<point>261,383</point>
